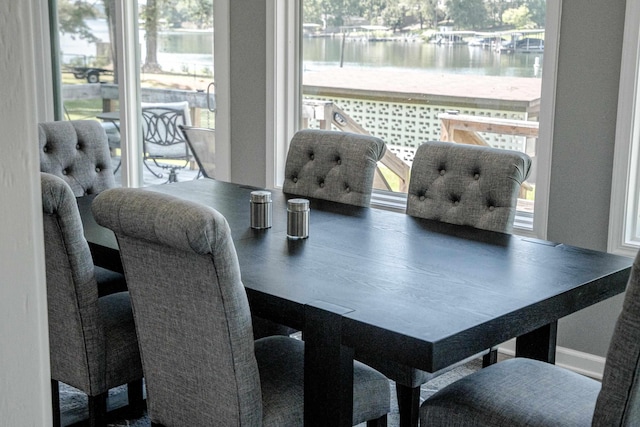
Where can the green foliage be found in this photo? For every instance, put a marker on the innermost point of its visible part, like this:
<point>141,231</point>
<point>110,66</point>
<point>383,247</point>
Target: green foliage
<point>467,14</point>
<point>519,18</point>
<point>72,16</point>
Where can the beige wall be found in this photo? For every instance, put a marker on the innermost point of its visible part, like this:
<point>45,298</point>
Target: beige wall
<point>24,350</point>
<point>582,154</point>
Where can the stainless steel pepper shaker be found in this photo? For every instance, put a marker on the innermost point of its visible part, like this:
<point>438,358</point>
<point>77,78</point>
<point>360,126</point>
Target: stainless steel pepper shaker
<point>297,218</point>
<point>260,202</point>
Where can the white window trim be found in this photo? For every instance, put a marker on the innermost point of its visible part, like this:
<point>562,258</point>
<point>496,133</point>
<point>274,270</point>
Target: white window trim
<point>284,84</point>
<point>547,116</point>
<point>222,72</point>
<point>625,180</point>
<point>129,91</point>
<point>284,98</point>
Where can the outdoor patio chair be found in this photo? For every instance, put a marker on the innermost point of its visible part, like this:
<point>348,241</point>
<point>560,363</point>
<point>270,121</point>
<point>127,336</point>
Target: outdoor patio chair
<point>202,366</point>
<point>92,340</point>
<point>202,143</point>
<point>460,184</point>
<point>525,392</point>
<point>77,151</point>
<point>163,142</point>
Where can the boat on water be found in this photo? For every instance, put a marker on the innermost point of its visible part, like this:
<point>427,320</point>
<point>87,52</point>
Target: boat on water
<point>526,45</point>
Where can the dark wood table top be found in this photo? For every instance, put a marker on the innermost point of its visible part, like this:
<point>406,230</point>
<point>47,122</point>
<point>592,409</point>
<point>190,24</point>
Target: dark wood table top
<point>422,292</point>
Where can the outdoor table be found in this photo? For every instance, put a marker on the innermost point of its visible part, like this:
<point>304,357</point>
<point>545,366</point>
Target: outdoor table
<point>423,293</point>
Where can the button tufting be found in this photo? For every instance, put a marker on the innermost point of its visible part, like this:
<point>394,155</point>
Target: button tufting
<point>321,184</point>
<point>457,202</point>
<point>441,172</point>
<point>78,146</point>
<point>45,149</point>
<point>491,208</point>
<point>294,179</point>
<point>98,169</point>
<point>422,198</point>
<point>347,189</point>
<point>476,176</point>
<point>339,161</point>
<point>311,156</point>
<point>64,172</point>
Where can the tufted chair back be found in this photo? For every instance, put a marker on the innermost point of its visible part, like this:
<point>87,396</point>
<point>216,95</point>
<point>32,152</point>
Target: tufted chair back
<point>331,165</point>
<point>466,184</point>
<point>195,329</point>
<point>92,340</point>
<point>78,152</point>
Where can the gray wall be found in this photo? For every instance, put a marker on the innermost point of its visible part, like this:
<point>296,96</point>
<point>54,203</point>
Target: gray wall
<point>583,143</point>
<point>247,19</point>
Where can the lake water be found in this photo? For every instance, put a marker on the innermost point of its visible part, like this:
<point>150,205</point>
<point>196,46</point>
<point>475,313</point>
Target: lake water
<point>192,51</point>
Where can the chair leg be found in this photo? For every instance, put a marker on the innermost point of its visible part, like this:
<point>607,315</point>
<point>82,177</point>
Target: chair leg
<point>134,395</point>
<point>490,358</point>
<point>408,405</point>
<point>378,422</point>
<point>55,403</point>
<point>98,410</point>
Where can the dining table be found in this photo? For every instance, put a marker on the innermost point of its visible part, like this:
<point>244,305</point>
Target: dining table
<point>421,292</point>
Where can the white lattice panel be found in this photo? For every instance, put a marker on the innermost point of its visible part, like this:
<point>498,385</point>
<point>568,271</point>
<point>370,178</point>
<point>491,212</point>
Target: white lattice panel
<point>404,126</point>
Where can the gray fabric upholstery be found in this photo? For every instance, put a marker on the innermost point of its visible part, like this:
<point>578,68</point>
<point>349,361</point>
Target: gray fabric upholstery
<point>332,165</point>
<point>460,184</point>
<point>619,400</point>
<point>516,392</point>
<point>194,324</point>
<point>78,152</point>
<point>522,392</point>
<point>466,184</point>
<point>93,344</point>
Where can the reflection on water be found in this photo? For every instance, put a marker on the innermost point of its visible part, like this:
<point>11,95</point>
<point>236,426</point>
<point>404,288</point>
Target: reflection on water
<point>459,59</point>
<point>194,49</point>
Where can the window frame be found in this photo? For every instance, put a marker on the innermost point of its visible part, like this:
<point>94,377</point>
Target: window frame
<point>625,183</point>
<point>284,34</point>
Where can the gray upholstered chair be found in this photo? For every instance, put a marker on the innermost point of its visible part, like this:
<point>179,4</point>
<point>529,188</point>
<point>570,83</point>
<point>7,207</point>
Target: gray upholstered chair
<point>460,184</point>
<point>467,184</point>
<point>328,165</point>
<point>78,152</point>
<point>92,340</point>
<point>524,392</point>
<point>201,364</point>
<point>332,165</point>
<point>202,142</point>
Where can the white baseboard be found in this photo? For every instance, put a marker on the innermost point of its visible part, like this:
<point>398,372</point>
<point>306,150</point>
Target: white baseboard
<point>583,363</point>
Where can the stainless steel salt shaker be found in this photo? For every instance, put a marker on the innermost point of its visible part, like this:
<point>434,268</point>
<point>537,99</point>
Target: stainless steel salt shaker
<point>260,202</point>
<point>297,218</point>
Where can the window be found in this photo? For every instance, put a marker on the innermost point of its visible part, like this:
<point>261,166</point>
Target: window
<point>624,223</point>
<point>406,72</point>
<point>166,50</point>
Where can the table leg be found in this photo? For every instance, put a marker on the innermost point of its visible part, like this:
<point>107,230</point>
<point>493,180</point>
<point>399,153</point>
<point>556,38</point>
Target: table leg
<point>539,344</point>
<point>328,367</point>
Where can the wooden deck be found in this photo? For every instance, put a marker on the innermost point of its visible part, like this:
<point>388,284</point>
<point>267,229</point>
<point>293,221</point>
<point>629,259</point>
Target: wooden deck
<point>419,85</point>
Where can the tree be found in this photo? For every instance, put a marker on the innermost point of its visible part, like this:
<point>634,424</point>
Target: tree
<point>151,37</point>
<point>110,12</point>
<point>71,19</point>
<point>519,18</point>
<point>537,12</point>
<point>467,14</point>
